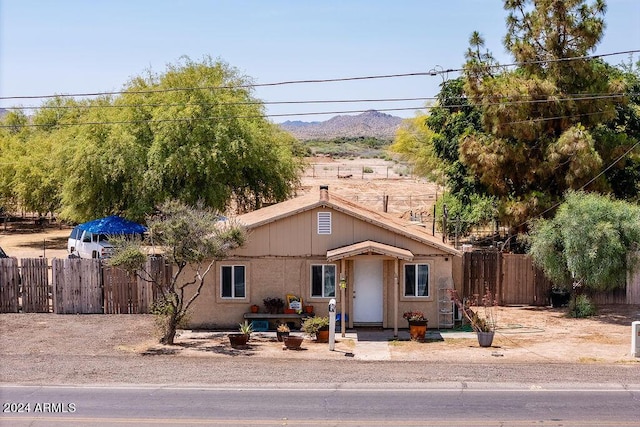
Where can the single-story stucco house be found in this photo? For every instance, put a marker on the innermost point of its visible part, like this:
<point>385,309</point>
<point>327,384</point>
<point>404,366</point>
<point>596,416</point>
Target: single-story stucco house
<point>322,246</point>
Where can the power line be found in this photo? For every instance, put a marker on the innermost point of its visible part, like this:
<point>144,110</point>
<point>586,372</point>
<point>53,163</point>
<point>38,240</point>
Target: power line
<point>569,97</point>
<point>432,72</point>
<point>258,116</point>
<point>255,116</point>
<point>190,104</point>
<point>626,153</point>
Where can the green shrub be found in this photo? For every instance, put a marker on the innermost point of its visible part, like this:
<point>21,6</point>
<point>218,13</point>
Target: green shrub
<point>367,169</point>
<point>581,306</point>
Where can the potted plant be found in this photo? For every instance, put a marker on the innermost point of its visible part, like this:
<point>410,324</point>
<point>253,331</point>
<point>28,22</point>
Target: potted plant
<point>255,308</point>
<point>240,339</point>
<point>308,308</point>
<point>417,324</point>
<point>317,327</point>
<point>273,305</point>
<point>483,324</point>
<point>282,331</point>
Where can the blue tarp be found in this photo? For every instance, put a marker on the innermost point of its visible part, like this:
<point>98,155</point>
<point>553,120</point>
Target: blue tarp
<point>113,225</point>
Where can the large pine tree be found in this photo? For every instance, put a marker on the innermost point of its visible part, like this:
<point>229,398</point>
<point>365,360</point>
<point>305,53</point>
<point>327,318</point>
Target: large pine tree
<point>540,117</point>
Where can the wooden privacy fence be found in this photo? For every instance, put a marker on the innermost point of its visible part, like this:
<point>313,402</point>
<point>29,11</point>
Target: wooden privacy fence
<point>514,280</point>
<point>129,293</point>
<point>78,286</point>
<point>36,295</point>
<point>87,286</point>
<point>27,291</point>
<point>9,285</point>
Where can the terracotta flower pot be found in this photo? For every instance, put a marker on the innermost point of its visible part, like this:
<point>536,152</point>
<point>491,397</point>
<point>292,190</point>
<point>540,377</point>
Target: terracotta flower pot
<point>238,340</point>
<point>322,335</point>
<point>255,308</point>
<point>293,342</point>
<point>308,309</point>
<point>417,330</point>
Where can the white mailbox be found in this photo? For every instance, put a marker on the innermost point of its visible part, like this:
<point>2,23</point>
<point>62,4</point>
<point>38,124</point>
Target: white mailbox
<point>635,339</point>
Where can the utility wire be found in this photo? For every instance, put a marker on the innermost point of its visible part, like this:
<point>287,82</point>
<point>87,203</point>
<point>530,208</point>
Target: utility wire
<point>258,116</point>
<point>191,104</point>
<point>555,205</point>
<point>576,97</point>
<point>432,72</point>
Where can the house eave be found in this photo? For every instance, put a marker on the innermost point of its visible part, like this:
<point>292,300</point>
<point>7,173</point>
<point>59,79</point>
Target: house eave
<point>368,247</point>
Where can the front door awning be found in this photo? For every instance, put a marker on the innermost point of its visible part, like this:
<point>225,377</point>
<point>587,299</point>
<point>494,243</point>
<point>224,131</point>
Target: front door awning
<point>368,247</point>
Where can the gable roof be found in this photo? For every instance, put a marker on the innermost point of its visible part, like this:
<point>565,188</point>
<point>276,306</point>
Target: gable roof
<point>368,247</point>
<point>312,201</point>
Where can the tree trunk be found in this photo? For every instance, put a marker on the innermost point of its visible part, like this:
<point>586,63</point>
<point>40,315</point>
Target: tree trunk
<point>170,331</point>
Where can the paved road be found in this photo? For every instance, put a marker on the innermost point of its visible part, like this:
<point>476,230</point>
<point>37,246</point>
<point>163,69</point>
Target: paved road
<point>437,404</point>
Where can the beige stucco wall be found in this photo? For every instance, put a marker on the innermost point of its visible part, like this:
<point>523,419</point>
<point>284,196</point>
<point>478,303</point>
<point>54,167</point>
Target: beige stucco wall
<point>278,258</point>
<point>278,276</point>
<point>297,236</point>
<point>265,277</point>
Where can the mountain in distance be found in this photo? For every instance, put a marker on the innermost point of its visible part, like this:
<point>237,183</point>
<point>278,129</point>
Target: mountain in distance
<point>370,123</point>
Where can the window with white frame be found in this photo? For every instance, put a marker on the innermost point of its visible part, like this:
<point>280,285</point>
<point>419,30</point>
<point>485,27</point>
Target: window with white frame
<point>323,281</point>
<point>324,222</point>
<point>233,281</point>
<point>416,280</point>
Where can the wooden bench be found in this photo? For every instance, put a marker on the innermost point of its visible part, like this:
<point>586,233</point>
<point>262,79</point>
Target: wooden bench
<point>268,316</point>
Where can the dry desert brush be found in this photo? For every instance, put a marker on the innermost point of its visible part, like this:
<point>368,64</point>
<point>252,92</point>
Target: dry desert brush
<point>191,239</point>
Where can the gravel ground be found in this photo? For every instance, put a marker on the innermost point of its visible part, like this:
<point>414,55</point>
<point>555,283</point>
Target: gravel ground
<point>102,349</point>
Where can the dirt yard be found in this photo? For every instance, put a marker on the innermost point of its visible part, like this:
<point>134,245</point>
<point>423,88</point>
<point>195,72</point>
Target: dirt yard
<point>64,342</point>
<point>525,335</point>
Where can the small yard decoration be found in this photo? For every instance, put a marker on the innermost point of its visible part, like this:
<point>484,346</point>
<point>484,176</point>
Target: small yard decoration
<point>483,324</point>
<point>417,325</point>
<point>317,327</point>
<point>273,305</point>
<point>294,304</point>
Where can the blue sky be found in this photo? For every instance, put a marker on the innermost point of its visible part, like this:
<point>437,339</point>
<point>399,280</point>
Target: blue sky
<point>72,46</point>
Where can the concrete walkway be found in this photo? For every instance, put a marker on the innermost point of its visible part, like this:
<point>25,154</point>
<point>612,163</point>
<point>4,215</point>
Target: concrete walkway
<point>373,343</point>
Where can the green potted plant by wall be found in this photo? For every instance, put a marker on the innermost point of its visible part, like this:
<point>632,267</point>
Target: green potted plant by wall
<point>417,324</point>
<point>273,305</point>
<point>317,327</point>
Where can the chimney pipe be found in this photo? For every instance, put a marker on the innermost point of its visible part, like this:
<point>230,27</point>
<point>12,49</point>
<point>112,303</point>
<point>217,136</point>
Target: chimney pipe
<point>324,193</point>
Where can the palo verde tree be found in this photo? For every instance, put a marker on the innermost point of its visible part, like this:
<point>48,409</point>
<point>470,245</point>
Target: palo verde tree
<point>194,132</point>
<point>191,239</point>
<point>540,120</point>
<point>590,241</point>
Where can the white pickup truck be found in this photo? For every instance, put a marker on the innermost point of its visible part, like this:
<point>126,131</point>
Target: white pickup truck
<point>85,244</point>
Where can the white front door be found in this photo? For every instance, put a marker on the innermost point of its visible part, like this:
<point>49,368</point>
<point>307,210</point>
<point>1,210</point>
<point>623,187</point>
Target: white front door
<point>367,291</point>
